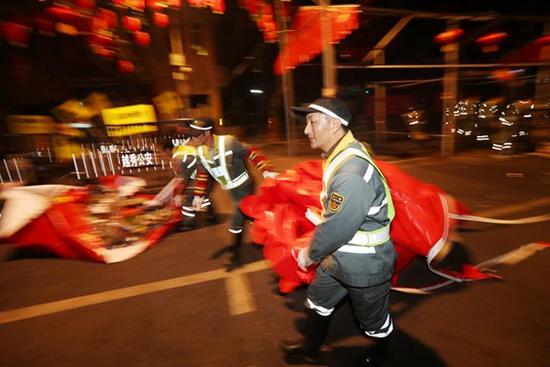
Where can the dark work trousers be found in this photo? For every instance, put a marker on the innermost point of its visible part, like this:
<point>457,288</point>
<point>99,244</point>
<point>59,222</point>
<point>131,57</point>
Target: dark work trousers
<point>369,304</point>
<point>237,194</point>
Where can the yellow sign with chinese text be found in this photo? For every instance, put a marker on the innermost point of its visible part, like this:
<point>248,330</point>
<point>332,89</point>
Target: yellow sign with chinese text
<point>129,115</point>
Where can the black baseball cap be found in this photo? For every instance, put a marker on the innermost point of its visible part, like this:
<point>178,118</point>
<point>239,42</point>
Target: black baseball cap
<point>332,107</point>
<point>200,126</point>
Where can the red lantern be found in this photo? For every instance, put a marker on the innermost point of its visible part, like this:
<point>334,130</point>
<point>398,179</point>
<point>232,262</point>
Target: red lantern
<point>100,39</point>
<point>125,66</point>
<point>16,34</point>
<point>131,23</point>
<point>44,26</point>
<point>104,52</point>
<point>543,40</point>
<point>142,38</point>
<point>218,6</point>
<point>160,20</point>
<point>489,42</point>
<point>137,4</point>
<point>448,37</point>
<point>196,3</point>
<point>98,24</point>
<point>154,5</point>
<point>65,15</point>
<point>109,16</point>
<point>502,75</point>
<point>174,3</point>
<point>86,4</point>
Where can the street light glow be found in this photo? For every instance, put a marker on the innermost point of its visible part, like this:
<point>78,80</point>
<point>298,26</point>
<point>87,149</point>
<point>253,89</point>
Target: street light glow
<point>256,91</point>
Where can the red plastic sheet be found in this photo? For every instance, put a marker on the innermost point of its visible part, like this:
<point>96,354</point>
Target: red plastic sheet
<point>419,229</point>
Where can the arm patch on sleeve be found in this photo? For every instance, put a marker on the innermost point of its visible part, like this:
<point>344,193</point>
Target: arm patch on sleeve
<point>335,202</point>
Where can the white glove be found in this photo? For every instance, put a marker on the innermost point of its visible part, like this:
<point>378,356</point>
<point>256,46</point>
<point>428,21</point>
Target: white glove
<point>314,217</point>
<point>302,258</point>
<point>269,174</point>
<point>197,202</point>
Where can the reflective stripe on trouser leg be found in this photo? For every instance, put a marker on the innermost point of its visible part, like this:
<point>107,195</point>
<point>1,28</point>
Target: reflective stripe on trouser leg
<point>319,309</point>
<point>187,211</point>
<point>324,293</point>
<point>382,332</point>
<point>371,308</point>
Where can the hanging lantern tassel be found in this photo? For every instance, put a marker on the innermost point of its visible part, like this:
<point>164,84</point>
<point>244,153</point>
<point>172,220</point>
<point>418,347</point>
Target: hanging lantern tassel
<point>160,20</point>
<point>142,38</point>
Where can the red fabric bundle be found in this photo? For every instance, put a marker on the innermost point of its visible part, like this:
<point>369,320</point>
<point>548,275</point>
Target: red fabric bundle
<point>420,226</point>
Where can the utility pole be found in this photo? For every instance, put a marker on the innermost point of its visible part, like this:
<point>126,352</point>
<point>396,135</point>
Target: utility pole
<point>178,62</point>
<point>329,59</point>
<point>450,85</point>
<point>286,76</point>
<point>379,105</point>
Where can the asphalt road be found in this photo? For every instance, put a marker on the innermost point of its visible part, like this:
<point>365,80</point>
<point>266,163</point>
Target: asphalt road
<point>175,305</point>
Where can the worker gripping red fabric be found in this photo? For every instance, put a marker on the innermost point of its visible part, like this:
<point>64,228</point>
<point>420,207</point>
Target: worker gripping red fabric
<point>224,158</point>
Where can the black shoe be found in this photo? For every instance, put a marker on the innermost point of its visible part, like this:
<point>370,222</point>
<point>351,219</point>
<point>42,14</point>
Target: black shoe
<point>295,352</point>
<point>375,355</point>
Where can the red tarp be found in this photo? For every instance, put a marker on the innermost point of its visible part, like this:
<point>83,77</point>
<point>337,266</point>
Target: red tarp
<point>419,229</point>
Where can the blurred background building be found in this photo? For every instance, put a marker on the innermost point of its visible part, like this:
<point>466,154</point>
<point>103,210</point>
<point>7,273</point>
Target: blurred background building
<point>65,62</point>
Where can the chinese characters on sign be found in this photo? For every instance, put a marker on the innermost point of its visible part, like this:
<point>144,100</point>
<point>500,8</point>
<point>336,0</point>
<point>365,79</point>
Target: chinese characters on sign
<point>137,159</point>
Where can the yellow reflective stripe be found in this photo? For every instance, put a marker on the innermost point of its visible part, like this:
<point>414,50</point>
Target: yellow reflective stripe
<point>338,160</point>
<point>220,172</point>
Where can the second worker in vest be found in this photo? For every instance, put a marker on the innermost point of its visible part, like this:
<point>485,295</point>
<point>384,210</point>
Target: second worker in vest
<point>224,158</point>
<point>351,244</point>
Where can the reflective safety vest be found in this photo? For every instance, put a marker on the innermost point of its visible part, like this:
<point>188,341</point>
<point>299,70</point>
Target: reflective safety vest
<point>362,238</point>
<point>216,165</point>
<point>187,155</point>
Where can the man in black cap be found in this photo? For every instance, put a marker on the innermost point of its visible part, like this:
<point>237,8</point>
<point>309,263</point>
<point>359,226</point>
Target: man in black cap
<point>351,244</point>
<point>224,158</point>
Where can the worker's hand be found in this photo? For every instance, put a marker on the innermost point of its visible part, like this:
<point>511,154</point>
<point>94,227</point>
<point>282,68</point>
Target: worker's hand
<point>269,174</point>
<point>302,258</point>
<point>314,216</point>
<point>197,202</point>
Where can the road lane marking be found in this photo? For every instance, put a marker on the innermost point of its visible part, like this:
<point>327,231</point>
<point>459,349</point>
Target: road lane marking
<point>44,309</point>
<point>239,294</point>
<point>146,288</point>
